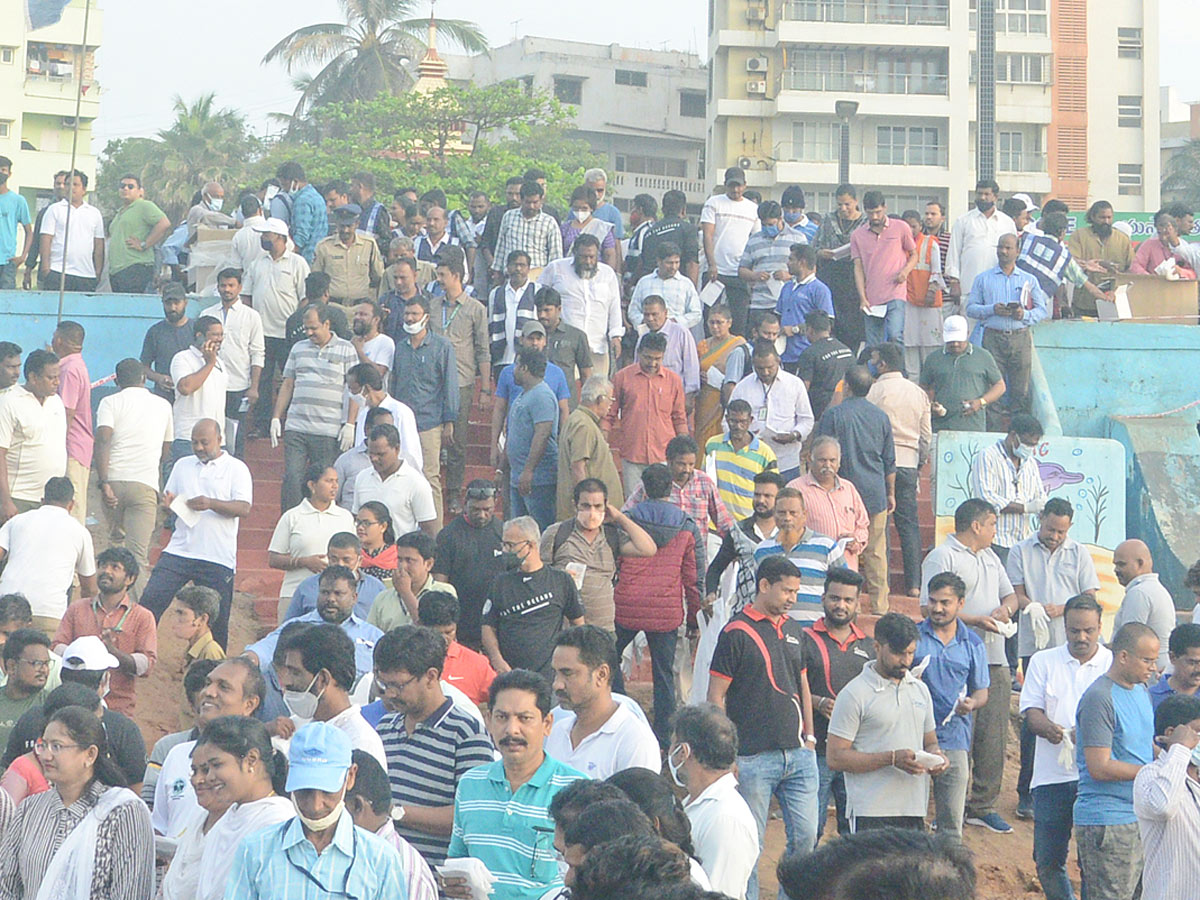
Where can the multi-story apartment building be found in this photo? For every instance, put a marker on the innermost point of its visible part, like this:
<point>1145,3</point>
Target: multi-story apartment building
<point>1076,97</point>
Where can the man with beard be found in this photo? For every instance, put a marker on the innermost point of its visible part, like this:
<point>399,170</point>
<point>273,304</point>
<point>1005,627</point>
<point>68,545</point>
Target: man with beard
<point>165,338</point>
<point>759,526</point>
<point>512,796</point>
<point>973,241</point>
<point>591,298</point>
<point>836,269</point>
<point>27,668</point>
<point>1100,250</point>
<point>430,744</point>
<point>127,629</point>
<point>596,734</point>
<point>369,342</point>
<point>529,228</point>
<point>934,225</point>
<point>469,557</point>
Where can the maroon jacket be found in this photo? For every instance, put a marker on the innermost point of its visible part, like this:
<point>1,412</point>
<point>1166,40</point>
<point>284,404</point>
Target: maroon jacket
<point>651,591</point>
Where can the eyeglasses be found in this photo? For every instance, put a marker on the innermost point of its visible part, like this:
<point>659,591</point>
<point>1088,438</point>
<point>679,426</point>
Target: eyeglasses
<point>35,663</point>
<point>513,545</point>
<point>394,685</point>
<point>486,493</point>
<point>365,523</point>
<point>41,747</point>
<point>128,185</point>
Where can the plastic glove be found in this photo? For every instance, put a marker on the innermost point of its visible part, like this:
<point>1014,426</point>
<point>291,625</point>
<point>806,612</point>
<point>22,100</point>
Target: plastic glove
<point>919,669</point>
<point>276,432</point>
<point>1066,750</point>
<point>1035,506</point>
<point>1040,620</point>
<point>1007,629</point>
<point>346,436</point>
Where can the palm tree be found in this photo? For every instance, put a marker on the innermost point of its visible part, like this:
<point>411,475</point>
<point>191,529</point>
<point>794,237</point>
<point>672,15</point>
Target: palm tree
<point>366,55</point>
<point>1182,176</point>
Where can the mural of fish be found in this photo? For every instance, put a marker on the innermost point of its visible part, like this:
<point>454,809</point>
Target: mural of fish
<point>1055,476</point>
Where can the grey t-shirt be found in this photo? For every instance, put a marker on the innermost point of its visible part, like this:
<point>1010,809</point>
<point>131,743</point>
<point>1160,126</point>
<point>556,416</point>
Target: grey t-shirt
<point>987,584</point>
<point>532,408</point>
<point>876,715</point>
<point>1148,602</point>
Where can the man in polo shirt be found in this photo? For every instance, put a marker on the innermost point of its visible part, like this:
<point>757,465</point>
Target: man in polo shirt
<point>592,731</point>
<point>1145,600</point>
<point>200,383</point>
<point>311,395</point>
<point>33,435</point>
<point>835,651</point>
<point>758,680</point>
<point>218,490</point>
<point>735,458</point>
<point>510,798</point>
<point>812,553</point>
<point>356,459</point>
<point>400,603</point>
<point>466,670</point>
<point>957,677</point>
<point>430,745</point>
<point>79,263</point>
<point>365,381</point>
<point>1114,739</point>
<point>469,557</point>
<point>884,253</point>
<point>881,720</point>
<point>242,355</point>
<point>1184,674</point>
<point>397,484</point>
<point>1055,679</point>
<point>991,605</point>
<point>763,266</point>
<point>961,380</point>
<point>343,549</point>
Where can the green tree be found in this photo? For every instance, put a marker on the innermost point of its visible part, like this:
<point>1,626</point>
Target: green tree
<point>1182,178</point>
<point>369,54</point>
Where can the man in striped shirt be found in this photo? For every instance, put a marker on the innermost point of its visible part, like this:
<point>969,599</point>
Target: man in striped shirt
<point>430,745</point>
<point>1007,476</point>
<point>733,459</point>
<point>528,228</point>
<point>812,553</point>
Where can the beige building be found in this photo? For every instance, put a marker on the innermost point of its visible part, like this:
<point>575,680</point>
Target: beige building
<point>1076,97</point>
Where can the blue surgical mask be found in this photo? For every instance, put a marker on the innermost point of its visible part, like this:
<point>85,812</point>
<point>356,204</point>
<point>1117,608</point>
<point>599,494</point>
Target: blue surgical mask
<point>1025,451</point>
<point>770,231</point>
<point>793,217</point>
<point>215,203</point>
<point>1196,756</point>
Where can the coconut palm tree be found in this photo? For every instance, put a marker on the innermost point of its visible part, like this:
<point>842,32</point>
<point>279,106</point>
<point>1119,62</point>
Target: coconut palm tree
<point>1182,176</point>
<point>367,55</point>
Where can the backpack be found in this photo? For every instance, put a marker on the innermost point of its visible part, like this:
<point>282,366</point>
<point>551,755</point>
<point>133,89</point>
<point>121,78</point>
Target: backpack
<point>611,534</point>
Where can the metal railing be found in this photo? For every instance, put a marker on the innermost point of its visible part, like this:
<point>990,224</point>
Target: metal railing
<point>1016,162</point>
<point>656,183</point>
<point>790,151</point>
<point>867,12</point>
<point>866,82</point>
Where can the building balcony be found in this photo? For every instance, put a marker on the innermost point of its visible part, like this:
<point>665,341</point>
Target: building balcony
<point>55,96</point>
<point>934,157</point>
<point>865,83</point>
<point>1017,162</point>
<point>866,12</point>
<point>631,182</point>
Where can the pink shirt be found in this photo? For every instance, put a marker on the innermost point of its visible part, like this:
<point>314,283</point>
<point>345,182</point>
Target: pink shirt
<point>75,391</point>
<point>1151,253</point>
<point>839,513</point>
<point>883,255</point>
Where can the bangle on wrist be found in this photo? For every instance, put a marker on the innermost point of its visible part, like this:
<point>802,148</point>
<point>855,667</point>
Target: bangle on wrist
<point>893,758</point>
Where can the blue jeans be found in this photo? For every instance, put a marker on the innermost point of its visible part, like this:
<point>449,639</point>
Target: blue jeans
<point>8,276</point>
<point>888,328</point>
<point>832,784</point>
<point>1053,805</point>
<point>662,646</point>
<point>541,503</point>
<point>791,776</point>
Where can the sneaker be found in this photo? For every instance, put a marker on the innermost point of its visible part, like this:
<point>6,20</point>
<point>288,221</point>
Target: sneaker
<point>1025,808</point>
<point>992,822</point>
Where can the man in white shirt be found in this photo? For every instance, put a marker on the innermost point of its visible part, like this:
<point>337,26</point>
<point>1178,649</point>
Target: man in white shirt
<point>242,355</point>
<point>43,549</point>
<point>355,460</point>
<point>372,346</point>
<point>33,435</point>
<point>397,485</point>
<point>782,414</point>
<point>666,281</point>
<point>973,240</point>
<point>591,298</point>
<point>215,490</point>
<point>134,430</point>
<point>80,262</point>
<point>592,731</point>
<point>363,381</point>
<point>245,249</point>
<point>200,380</point>
<point>726,223</point>
<point>704,746</point>
<point>1055,680</point>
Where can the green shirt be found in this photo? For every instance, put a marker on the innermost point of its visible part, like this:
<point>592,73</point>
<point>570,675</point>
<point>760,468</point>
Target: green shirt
<point>11,710</point>
<point>958,378</point>
<point>136,220</point>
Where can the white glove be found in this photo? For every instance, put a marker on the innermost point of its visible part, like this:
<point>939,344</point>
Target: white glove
<point>1066,750</point>
<point>276,432</point>
<point>919,669</point>
<point>1035,506</point>
<point>346,436</point>
<point>1040,620</point>
<point>1007,629</point>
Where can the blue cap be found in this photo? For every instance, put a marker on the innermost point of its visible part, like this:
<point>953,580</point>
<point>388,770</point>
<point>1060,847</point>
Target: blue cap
<point>318,758</point>
<point>348,214</point>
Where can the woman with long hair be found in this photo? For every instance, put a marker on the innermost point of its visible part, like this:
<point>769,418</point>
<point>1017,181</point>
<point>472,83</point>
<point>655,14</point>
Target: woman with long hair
<point>108,848</point>
<point>373,525</point>
<point>714,352</point>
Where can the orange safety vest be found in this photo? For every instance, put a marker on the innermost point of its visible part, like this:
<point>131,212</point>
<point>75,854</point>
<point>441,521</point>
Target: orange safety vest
<point>918,278</point>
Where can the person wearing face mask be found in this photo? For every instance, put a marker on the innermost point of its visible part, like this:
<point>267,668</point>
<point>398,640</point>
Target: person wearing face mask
<point>301,208</point>
<point>469,556</point>
<point>583,220</point>
<point>320,852</point>
<point>704,747</point>
<point>365,382</point>
<point>796,223</point>
<point>207,213</point>
<point>764,263</point>
<point>973,240</point>
<point>1006,475</point>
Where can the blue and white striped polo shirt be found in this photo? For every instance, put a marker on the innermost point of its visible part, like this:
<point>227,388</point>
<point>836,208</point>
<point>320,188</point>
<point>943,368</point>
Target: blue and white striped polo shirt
<point>814,554</point>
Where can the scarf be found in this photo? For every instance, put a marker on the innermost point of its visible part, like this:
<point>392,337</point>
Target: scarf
<point>69,875</point>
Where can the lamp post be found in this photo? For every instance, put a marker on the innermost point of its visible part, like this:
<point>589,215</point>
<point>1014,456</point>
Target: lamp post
<point>845,110</point>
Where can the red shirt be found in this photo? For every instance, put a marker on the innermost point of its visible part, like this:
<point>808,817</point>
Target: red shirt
<point>651,412</point>
<point>136,634</point>
<point>468,671</point>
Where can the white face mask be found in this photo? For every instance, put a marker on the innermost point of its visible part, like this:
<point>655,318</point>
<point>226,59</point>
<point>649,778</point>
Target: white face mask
<point>325,822</point>
<point>582,215</point>
<point>1025,451</point>
<point>416,327</point>
<point>303,704</point>
<point>674,767</point>
<point>215,203</point>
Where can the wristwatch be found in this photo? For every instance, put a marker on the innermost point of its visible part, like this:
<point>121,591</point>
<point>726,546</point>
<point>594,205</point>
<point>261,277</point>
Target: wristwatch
<point>982,402</point>
<point>810,739</point>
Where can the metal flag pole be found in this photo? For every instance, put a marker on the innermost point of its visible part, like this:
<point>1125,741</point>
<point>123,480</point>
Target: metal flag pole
<point>62,283</point>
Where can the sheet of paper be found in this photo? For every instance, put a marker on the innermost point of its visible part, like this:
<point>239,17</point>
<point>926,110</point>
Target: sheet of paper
<point>714,377</point>
<point>842,252</point>
<point>576,570</point>
<point>188,516</point>
<point>712,293</point>
<point>878,311</point>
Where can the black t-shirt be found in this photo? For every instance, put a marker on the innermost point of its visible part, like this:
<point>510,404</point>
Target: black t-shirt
<point>527,610</point>
<point>678,231</point>
<point>470,559</point>
<point>159,347</point>
<point>763,665</point>
<point>823,365</point>
<point>126,745</point>
<point>294,327</point>
<point>831,666</point>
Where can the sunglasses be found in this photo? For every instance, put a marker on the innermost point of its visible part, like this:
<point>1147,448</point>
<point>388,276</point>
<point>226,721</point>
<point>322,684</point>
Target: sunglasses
<point>481,493</point>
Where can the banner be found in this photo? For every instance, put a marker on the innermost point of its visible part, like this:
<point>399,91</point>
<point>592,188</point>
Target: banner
<point>1141,223</point>
<point>41,13</point>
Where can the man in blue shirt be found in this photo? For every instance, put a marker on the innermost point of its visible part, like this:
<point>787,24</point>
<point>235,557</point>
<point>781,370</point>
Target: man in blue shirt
<point>956,673</point>
<point>343,549</point>
<point>14,214</point>
<point>502,809</point>
<point>320,854</point>
<point>1114,738</point>
<point>533,335</point>
<point>798,298</point>
<point>1184,654</point>
<point>532,442</point>
<point>597,180</point>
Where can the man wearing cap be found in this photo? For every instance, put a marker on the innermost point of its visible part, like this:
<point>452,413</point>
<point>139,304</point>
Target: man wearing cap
<point>961,380</point>
<point>726,223</point>
<point>796,223</point>
<point>352,260</point>
<point>320,853</point>
<point>166,337</point>
<point>533,336</point>
<point>275,284</point>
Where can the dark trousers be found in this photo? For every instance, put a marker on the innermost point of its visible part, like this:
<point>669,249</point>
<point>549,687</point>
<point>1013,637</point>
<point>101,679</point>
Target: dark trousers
<point>1013,352</point>
<point>276,354</point>
<point>1028,743</point>
<point>1053,806</point>
<point>301,450</point>
<point>456,450</point>
<point>871,823</point>
<point>662,667</point>
<point>54,280</point>
<point>737,296</point>
<point>172,572</point>
<point>135,279</point>
<point>907,525</point>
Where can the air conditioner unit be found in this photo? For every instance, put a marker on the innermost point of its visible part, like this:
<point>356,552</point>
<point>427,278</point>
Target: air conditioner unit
<point>756,13</point>
<point>68,121</point>
<point>744,162</point>
<point>756,86</point>
<point>756,64</point>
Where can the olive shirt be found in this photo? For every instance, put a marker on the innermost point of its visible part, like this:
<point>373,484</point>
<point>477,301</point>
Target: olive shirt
<point>136,220</point>
<point>464,324</point>
<point>582,440</point>
<point>355,270</point>
<point>568,348</point>
<point>958,378</point>
<point>1085,244</point>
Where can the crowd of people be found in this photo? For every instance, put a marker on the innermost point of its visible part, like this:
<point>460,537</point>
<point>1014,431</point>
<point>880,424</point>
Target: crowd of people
<point>698,438</point>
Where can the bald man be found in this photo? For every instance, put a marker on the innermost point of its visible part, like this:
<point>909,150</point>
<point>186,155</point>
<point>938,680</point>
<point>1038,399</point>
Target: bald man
<point>207,213</point>
<point>1146,600</point>
<point>215,490</point>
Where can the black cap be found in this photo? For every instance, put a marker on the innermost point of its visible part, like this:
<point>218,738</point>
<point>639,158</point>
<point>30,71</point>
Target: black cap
<point>735,175</point>
<point>793,196</point>
<point>173,290</point>
<point>347,214</point>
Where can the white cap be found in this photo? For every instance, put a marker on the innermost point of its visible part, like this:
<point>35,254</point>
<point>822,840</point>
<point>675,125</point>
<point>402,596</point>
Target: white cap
<point>954,329</point>
<point>1124,227</point>
<point>273,225</point>
<point>1030,206</point>
<point>88,654</point>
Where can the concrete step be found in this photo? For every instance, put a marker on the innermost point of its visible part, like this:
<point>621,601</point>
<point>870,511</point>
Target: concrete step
<point>261,582</point>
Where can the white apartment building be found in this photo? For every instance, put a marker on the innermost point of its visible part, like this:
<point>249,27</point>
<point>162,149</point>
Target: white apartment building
<point>644,110</point>
<point>39,78</point>
<point>1077,98</point>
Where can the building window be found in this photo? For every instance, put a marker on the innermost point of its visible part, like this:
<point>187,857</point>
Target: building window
<point>816,141</point>
<point>651,165</point>
<point>1011,146</point>
<point>631,78</point>
<point>527,85</point>
<point>817,70</point>
<point>7,55</point>
<point>5,129</point>
<point>899,146</point>
<point>691,105</point>
<point>1016,16</point>
<point>568,90</point>
<point>1022,68</point>
<point>1129,43</point>
<point>1129,178</point>
<point>1129,111</point>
